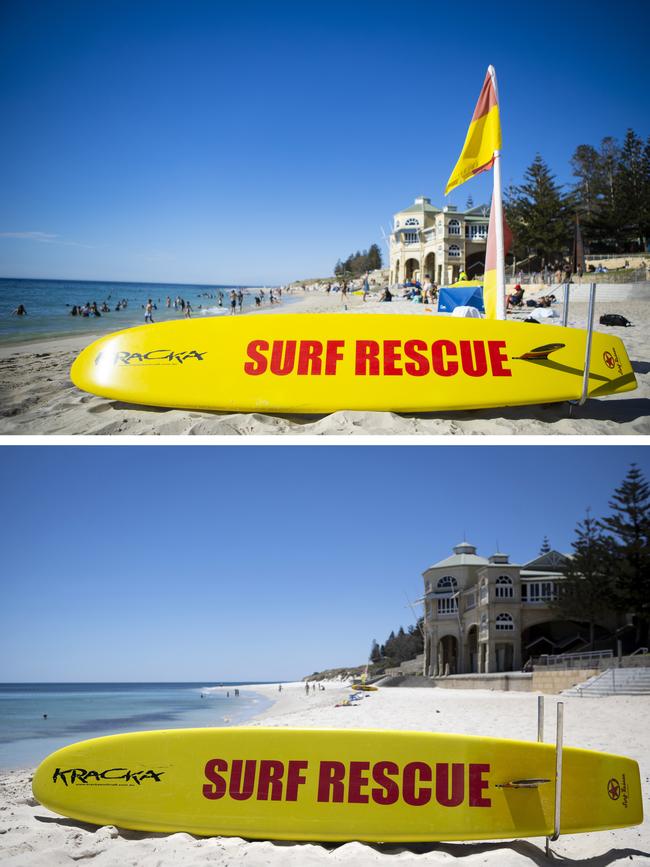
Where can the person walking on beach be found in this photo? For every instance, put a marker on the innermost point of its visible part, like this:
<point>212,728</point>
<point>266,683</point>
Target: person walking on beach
<point>366,287</point>
<point>148,312</point>
<point>188,310</point>
<point>240,300</point>
<point>233,302</point>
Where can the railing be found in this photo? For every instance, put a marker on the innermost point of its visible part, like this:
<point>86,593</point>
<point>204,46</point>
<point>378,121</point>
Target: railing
<point>596,257</point>
<point>588,659</point>
<point>629,275</point>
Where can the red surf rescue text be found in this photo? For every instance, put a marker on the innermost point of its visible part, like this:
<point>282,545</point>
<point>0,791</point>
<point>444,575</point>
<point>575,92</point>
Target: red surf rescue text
<point>378,357</point>
<point>383,783</point>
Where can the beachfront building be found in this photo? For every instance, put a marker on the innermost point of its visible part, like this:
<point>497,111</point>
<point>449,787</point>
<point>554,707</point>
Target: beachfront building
<point>440,242</point>
<point>487,615</point>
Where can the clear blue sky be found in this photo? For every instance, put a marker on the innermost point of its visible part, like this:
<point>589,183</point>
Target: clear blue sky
<point>228,563</point>
<point>256,142</point>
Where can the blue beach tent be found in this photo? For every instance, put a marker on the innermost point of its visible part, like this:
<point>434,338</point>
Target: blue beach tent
<point>467,293</point>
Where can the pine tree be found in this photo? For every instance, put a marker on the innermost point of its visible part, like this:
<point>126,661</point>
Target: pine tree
<point>375,652</point>
<point>374,258</point>
<point>603,228</point>
<point>584,594</point>
<point>627,534</point>
<point>631,185</point>
<point>540,215</point>
<point>586,164</point>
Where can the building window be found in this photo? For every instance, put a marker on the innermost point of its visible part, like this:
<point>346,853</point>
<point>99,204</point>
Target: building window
<point>538,591</point>
<point>504,588</point>
<point>473,231</point>
<point>411,222</point>
<point>411,237</point>
<point>453,227</point>
<point>504,623</point>
<point>447,605</point>
<point>454,251</point>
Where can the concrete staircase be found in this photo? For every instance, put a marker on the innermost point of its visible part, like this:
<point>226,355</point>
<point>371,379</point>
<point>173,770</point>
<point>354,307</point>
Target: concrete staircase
<point>614,681</point>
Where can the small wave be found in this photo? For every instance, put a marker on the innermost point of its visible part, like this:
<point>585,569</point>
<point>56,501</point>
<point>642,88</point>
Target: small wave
<point>212,311</point>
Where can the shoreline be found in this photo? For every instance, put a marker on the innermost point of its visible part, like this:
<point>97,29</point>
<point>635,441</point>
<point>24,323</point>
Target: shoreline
<point>40,399</point>
<point>32,835</point>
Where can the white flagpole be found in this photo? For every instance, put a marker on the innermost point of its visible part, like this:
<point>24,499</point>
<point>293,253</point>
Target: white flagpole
<point>498,220</point>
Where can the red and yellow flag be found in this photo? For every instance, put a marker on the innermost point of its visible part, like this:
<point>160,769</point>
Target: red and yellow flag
<point>482,140</point>
<point>490,278</point>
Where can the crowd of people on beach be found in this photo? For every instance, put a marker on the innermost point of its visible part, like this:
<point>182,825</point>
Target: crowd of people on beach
<point>181,305</point>
<point>86,310</point>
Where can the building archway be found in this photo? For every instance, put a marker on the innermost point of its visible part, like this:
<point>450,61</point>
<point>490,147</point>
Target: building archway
<point>560,636</point>
<point>430,266</point>
<point>448,655</point>
<point>411,268</point>
<point>475,265</point>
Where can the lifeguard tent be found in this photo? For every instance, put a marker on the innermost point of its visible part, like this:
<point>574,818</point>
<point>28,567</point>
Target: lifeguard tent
<point>465,293</point>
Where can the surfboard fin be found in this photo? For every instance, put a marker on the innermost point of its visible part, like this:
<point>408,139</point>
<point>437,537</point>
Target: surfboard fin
<point>522,784</point>
<point>540,352</point>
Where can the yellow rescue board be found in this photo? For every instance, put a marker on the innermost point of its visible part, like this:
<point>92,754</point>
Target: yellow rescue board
<point>335,785</point>
<point>327,362</point>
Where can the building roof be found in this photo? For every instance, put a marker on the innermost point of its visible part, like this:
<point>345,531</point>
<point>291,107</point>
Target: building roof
<point>478,211</point>
<point>464,555</point>
<point>418,207</point>
<point>552,561</point>
<point>422,203</point>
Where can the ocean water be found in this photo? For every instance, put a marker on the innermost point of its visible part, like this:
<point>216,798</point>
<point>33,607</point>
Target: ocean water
<point>49,302</point>
<point>77,711</point>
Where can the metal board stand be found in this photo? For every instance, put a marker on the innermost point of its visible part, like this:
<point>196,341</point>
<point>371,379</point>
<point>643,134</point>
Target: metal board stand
<point>565,312</point>
<point>590,331</point>
<point>557,808</point>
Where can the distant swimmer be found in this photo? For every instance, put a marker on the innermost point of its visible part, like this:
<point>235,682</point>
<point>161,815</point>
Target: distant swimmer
<point>44,716</point>
<point>19,311</point>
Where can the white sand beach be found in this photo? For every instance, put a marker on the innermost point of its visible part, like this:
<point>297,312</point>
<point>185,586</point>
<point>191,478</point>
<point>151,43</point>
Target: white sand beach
<point>37,396</point>
<point>32,836</point>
